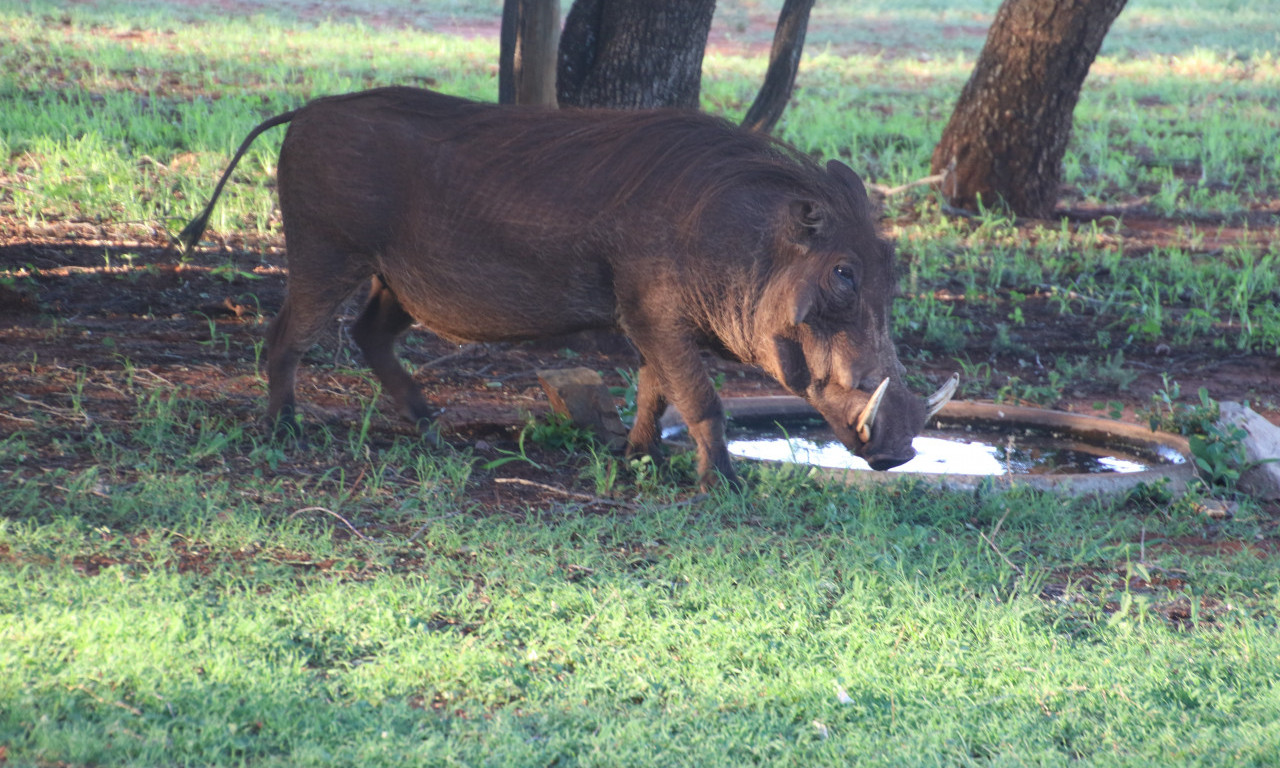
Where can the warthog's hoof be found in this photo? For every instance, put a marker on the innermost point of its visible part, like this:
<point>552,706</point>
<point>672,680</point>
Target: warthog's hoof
<point>429,429</point>
<point>716,478</point>
<point>287,425</point>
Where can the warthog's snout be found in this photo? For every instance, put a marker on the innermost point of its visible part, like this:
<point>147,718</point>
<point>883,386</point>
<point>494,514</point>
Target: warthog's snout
<point>889,447</point>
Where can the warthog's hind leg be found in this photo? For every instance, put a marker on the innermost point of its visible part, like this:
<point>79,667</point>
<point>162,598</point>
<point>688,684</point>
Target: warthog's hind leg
<point>290,335</point>
<point>311,299</point>
<point>376,331</point>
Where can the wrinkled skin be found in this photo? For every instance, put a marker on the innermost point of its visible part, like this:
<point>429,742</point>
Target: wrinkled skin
<point>487,223</point>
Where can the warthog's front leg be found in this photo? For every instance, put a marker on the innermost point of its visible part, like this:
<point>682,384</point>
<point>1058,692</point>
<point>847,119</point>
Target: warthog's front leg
<point>673,370</point>
<point>646,433</point>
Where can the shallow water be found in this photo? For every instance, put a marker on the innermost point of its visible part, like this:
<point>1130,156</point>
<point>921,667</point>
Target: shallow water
<point>967,452</point>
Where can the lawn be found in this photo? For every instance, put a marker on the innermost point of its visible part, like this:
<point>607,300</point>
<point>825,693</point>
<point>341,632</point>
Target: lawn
<point>180,586</point>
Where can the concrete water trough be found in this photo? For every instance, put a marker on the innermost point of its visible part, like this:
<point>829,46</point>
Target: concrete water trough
<point>968,446</point>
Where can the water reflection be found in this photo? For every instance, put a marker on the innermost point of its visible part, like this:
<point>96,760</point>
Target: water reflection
<point>951,453</point>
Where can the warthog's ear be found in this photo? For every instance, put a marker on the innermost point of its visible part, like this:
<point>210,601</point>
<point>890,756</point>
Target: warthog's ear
<point>806,219</point>
<point>846,176</point>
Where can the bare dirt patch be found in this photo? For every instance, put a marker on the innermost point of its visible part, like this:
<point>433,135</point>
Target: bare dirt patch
<point>89,309</point>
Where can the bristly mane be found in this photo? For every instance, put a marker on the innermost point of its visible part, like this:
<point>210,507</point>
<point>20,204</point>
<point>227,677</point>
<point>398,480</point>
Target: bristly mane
<point>690,158</point>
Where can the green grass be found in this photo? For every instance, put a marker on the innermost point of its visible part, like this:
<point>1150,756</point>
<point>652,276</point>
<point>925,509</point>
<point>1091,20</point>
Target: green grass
<point>178,587</point>
<point>124,118</point>
<point>178,593</point>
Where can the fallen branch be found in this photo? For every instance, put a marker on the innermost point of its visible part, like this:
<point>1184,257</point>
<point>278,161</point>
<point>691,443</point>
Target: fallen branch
<point>587,499</point>
<point>583,497</point>
<point>466,351</point>
<point>65,413</point>
<point>127,707</point>
<point>996,532</point>
<point>344,520</point>
<point>428,524</point>
<point>891,191</point>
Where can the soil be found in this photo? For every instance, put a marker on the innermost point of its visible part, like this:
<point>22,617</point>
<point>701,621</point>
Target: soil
<point>85,308</point>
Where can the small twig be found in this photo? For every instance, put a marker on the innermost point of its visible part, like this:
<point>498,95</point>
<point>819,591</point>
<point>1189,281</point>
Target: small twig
<point>584,497</point>
<point>995,531</point>
<point>88,490</point>
<point>149,160</point>
<point>593,616</point>
<point>587,499</point>
<point>101,700</point>
<point>66,413</point>
<point>466,351</point>
<point>428,524</point>
<point>330,512</point>
<point>154,375</point>
<point>996,549</point>
<point>891,191</point>
<point>356,484</point>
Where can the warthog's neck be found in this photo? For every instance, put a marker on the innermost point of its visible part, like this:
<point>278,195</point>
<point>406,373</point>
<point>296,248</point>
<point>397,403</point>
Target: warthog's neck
<point>728,319</point>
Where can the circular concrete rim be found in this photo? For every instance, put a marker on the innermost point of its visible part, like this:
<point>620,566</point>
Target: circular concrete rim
<point>1175,477</point>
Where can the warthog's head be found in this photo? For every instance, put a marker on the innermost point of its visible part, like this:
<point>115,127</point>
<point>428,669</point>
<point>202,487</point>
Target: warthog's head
<point>823,327</point>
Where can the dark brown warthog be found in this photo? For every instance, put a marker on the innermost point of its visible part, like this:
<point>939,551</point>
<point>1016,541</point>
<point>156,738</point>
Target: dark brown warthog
<point>489,223</point>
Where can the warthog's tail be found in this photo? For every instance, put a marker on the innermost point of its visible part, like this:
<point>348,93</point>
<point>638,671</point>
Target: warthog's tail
<point>190,234</point>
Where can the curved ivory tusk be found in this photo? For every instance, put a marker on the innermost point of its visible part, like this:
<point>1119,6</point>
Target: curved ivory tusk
<point>934,402</point>
<point>868,416</point>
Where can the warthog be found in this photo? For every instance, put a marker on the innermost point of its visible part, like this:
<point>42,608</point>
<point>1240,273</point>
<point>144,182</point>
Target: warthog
<point>496,223</point>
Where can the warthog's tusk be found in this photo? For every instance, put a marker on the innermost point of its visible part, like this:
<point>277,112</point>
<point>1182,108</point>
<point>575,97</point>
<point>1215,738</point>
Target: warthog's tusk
<point>868,416</point>
<point>934,402</point>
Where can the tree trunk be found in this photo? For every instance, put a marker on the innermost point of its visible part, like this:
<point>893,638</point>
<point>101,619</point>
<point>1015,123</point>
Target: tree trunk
<point>784,62</point>
<point>633,54</point>
<point>527,57</point>
<point>1009,130</point>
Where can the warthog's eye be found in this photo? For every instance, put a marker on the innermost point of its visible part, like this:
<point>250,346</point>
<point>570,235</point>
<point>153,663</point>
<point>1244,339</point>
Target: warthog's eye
<point>844,274</point>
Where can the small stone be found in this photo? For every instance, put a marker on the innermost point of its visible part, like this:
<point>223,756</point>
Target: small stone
<point>1217,509</point>
<point>580,394</point>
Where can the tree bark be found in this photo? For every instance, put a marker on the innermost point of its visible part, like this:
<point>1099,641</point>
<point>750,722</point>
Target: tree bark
<point>633,54</point>
<point>1010,127</point>
<point>527,54</point>
<point>784,62</point>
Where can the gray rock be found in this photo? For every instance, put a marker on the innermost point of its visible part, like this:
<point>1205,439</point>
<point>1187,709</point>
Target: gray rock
<point>1262,441</point>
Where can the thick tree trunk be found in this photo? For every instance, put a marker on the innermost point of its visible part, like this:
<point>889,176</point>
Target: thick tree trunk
<point>784,62</point>
<point>527,56</point>
<point>1009,131</point>
<point>633,54</point>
